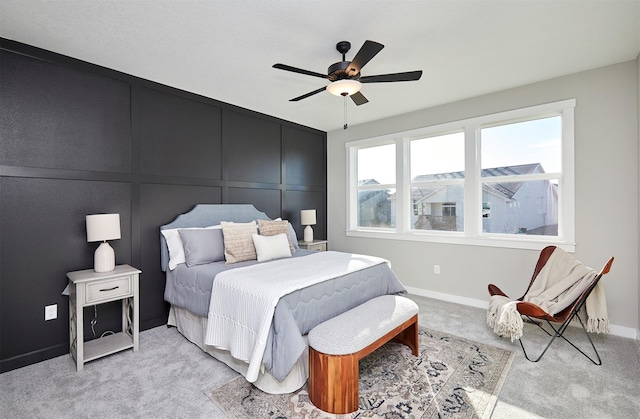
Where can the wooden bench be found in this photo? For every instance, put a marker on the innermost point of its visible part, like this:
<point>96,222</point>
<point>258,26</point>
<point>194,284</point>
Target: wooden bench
<point>336,346</point>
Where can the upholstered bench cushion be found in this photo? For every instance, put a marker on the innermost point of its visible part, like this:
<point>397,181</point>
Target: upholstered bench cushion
<point>359,327</point>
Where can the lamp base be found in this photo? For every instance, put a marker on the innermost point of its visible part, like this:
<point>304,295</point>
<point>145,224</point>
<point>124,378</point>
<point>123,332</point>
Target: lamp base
<point>308,234</point>
<point>104,259</point>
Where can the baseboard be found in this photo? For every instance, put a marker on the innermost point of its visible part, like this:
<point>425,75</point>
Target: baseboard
<point>625,332</point>
<point>151,323</point>
<point>449,297</point>
<point>23,360</point>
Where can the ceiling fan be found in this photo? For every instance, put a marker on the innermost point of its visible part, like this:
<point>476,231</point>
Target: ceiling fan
<point>345,76</point>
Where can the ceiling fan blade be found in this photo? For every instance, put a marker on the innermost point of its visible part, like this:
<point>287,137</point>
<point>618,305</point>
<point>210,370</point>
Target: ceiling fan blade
<point>295,99</point>
<point>359,99</point>
<point>385,78</point>
<point>368,50</point>
<point>299,70</point>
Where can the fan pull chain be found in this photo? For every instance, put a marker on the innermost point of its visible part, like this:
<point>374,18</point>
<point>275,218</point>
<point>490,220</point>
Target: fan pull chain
<point>345,113</point>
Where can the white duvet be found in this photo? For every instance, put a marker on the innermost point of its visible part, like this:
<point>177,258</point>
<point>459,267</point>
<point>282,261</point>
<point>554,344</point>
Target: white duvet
<point>243,300</point>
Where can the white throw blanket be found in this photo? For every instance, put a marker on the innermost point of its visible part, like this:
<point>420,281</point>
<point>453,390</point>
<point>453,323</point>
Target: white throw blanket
<point>243,300</point>
<point>558,284</point>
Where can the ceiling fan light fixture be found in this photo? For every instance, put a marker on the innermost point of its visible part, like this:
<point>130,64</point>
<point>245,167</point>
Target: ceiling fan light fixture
<point>346,87</point>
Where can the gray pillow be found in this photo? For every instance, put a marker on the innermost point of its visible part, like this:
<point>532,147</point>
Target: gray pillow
<point>202,246</point>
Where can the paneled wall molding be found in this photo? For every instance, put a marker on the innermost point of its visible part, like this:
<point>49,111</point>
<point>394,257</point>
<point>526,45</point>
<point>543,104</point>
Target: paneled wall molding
<point>77,139</point>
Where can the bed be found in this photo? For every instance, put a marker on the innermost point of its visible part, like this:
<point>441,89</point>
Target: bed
<point>249,300</point>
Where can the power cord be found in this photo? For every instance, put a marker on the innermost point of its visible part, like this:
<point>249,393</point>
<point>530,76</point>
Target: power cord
<point>94,321</point>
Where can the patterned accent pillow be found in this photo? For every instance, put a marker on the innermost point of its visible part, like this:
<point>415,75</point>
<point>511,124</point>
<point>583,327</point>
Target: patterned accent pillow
<point>272,228</point>
<point>238,241</point>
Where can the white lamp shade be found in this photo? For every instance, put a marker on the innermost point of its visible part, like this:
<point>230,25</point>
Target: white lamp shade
<point>308,217</point>
<point>102,227</point>
<point>345,87</point>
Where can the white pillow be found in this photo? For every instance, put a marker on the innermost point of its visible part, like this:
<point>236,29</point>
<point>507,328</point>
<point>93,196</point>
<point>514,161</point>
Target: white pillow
<point>271,247</point>
<point>175,246</point>
<point>272,228</point>
<point>293,239</point>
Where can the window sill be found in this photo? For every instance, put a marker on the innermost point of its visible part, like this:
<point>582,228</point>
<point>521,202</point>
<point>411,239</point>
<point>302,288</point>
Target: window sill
<point>529,243</point>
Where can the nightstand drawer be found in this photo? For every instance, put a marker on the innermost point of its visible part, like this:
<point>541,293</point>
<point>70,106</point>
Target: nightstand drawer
<point>322,247</point>
<point>109,289</point>
<point>319,245</point>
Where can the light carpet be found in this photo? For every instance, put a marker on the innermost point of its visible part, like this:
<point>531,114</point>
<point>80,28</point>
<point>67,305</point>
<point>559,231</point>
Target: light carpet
<point>452,377</point>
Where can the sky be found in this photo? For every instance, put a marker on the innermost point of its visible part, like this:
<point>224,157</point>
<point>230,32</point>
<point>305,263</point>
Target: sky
<point>536,141</point>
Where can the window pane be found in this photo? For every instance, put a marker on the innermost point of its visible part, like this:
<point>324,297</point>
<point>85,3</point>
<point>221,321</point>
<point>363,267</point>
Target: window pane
<point>377,165</point>
<point>438,208</point>
<point>520,208</point>
<point>440,157</point>
<point>377,208</point>
<point>521,147</point>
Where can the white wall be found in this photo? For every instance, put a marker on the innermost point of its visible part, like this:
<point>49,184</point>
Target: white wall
<point>607,188</point>
<point>638,71</point>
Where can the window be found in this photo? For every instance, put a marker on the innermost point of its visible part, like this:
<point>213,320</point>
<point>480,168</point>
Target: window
<point>437,183</point>
<point>375,188</point>
<point>520,171</point>
<point>499,180</point>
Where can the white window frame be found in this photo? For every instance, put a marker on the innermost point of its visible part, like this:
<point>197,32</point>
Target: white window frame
<point>443,182</point>
<point>472,234</point>
<point>353,187</point>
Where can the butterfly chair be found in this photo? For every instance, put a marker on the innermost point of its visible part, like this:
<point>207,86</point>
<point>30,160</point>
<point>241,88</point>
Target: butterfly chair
<point>561,319</point>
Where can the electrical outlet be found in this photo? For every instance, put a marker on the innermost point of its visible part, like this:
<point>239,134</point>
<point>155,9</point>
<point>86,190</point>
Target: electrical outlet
<point>51,312</point>
<point>436,269</point>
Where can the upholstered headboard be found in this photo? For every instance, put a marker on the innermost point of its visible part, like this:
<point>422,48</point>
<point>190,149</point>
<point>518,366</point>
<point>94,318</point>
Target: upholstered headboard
<point>204,215</point>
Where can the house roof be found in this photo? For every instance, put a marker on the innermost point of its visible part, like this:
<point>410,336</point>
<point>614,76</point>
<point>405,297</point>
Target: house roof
<point>504,189</point>
<point>225,49</point>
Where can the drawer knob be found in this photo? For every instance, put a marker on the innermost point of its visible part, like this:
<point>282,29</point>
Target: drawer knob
<point>110,289</point>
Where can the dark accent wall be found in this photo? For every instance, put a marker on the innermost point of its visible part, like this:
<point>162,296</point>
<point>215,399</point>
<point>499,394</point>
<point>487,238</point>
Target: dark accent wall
<point>78,139</point>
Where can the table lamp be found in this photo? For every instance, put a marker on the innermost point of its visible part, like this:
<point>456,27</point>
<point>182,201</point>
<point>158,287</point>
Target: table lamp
<point>308,218</point>
<point>103,227</point>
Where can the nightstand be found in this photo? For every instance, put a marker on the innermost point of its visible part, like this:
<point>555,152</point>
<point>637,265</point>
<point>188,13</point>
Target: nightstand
<point>88,288</point>
<point>320,245</point>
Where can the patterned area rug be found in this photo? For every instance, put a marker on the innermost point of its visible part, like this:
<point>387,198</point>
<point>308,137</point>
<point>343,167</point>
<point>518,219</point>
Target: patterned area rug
<point>451,378</point>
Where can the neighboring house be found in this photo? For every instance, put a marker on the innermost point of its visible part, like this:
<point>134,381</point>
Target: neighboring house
<point>519,207</point>
<point>512,207</point>
<point>375,206</point>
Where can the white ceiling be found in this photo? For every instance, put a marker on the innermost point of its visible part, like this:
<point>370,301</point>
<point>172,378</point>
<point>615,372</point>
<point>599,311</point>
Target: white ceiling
<point>225,49</point>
